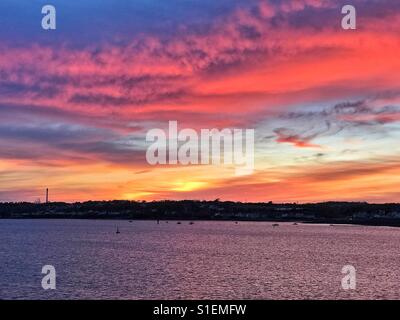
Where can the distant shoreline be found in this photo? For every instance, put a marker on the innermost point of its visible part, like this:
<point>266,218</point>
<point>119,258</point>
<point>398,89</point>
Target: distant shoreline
<point>349,213</point>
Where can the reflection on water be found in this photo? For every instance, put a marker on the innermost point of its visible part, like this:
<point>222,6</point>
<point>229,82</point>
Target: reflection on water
<point>204,260</point>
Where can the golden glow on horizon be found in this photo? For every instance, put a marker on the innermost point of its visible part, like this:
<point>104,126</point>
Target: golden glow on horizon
<point>183,186</point>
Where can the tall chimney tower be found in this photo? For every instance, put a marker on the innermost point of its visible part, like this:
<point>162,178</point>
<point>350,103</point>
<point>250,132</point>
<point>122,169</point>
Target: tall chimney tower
<point>47,195</point>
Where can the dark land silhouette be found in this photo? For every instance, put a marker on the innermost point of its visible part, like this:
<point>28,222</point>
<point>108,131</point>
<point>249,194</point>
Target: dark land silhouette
<point>326,212</point>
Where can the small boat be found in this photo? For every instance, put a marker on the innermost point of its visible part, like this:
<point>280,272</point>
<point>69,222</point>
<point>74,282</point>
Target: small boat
<point>117,231</point>
<point>178,222</point>
<point>275,225</point>
<point>295,224</point>
<point>191,222</point>
<point>236,222</point>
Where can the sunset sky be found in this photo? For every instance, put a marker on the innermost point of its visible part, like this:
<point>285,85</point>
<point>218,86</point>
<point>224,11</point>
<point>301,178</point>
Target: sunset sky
<point>76,102</point>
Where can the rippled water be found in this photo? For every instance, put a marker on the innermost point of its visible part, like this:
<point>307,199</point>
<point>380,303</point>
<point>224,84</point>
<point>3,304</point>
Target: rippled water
<point>206,260</point>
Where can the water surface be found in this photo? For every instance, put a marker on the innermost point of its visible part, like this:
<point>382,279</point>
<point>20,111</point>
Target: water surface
<point>206,260</point>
